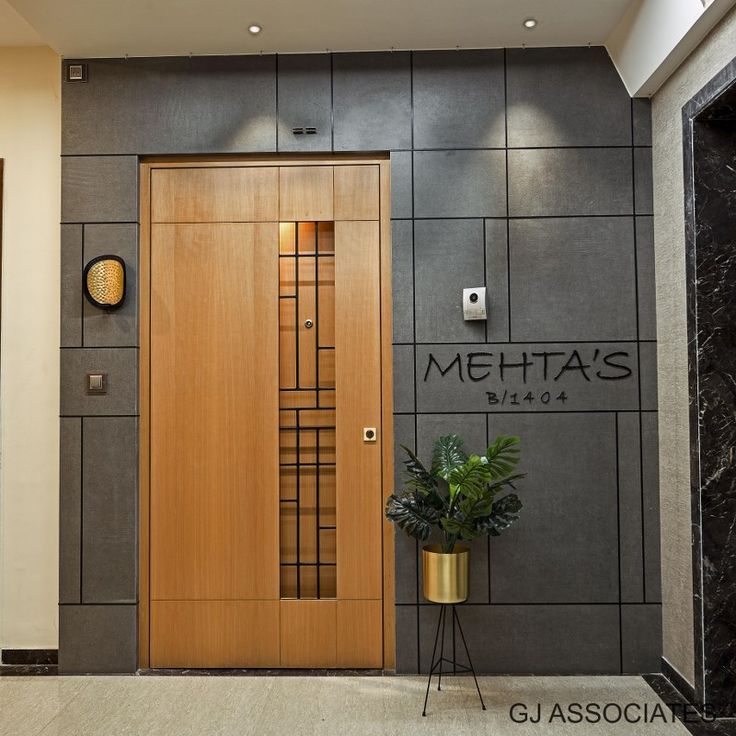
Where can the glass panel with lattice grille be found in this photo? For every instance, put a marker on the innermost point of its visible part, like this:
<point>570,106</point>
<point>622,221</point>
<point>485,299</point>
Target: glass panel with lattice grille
<point>307,408</point>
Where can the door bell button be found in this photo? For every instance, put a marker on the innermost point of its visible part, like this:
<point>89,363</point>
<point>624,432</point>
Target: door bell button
<point>96,383</point>
<point>474,303</point>
<point>369,434</point>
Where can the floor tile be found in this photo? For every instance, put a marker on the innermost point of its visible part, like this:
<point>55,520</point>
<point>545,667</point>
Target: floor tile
<point>343,706</point>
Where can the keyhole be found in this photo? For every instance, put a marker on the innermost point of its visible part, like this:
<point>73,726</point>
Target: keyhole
<point>309,324</point>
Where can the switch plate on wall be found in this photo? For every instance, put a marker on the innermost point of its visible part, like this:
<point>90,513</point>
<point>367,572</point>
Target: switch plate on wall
<point>96,383</point>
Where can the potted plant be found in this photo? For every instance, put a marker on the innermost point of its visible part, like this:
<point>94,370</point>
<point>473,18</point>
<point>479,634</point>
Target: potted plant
<point>464,498</point>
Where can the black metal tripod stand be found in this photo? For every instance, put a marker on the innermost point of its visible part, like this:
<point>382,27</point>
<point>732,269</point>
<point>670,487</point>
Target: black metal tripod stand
<point>455,665</point>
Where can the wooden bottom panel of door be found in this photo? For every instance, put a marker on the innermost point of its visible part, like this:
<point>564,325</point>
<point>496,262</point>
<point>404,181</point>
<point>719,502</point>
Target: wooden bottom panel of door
<point>212,634</point>
<point>331,633</point>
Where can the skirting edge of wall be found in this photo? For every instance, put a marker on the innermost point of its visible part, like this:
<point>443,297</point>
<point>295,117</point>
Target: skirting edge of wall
<point>678,681</point>
<point>29,656</point>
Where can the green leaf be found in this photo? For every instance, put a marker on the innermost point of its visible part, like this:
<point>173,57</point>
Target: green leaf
<point>504,513</point>
<point>469,479</point>
<point>476,508</point>
<point>459,527</point>
<point>419,477</point>
<point>413,514</point>
<point>503,456</point>
<point>509,482</point>
<point>448,455</point>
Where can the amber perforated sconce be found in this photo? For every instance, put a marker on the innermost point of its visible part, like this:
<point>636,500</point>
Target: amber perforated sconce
<point>104,282</point>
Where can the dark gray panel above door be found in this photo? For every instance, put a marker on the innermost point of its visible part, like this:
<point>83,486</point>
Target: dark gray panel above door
<point>305,100</point>
<point>99,189</point>
<point>566,97</point>
<point>459,99</point>
<point>202,104</point>
<point>372,101</point>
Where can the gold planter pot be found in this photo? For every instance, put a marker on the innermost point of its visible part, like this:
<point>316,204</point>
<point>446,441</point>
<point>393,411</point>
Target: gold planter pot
<point>445,574</point>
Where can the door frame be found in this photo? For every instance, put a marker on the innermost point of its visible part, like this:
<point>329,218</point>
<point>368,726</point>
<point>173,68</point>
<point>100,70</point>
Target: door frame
<point>147,165</point>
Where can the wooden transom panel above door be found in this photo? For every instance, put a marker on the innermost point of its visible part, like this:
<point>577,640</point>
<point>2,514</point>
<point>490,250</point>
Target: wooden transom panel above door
<point>264,372</point>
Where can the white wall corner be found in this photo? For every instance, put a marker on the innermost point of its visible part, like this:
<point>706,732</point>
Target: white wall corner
<point>655,36</point>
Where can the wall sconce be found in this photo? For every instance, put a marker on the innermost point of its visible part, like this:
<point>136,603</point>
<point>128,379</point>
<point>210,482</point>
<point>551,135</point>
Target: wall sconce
<point>104,282</point>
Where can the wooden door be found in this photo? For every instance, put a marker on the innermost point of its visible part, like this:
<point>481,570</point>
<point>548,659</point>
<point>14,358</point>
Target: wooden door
<point>265,417</point>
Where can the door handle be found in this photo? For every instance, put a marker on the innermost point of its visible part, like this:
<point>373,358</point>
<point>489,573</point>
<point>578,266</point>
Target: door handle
<point>369,434</point>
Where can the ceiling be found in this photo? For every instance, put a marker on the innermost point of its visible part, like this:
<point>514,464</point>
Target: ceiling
<point>109,28</point>
<point>15,30</point>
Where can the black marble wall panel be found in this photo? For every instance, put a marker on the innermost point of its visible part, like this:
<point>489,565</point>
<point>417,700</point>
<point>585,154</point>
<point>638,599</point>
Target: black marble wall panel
<point>518,170</point>
<point>709,121</point>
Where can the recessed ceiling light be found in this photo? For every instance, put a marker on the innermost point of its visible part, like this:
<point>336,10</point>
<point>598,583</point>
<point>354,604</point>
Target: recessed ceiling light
<point>530,23</point>
<point>254,28</point>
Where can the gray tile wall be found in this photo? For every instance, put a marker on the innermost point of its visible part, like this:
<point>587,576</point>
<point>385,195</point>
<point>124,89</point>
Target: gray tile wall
<point>527,171</point>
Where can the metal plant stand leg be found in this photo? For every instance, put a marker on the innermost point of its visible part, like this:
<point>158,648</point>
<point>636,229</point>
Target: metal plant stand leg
<point>443,615</point>
<point>434,651</point>
<point>437,663</point>
<point>467,654</point>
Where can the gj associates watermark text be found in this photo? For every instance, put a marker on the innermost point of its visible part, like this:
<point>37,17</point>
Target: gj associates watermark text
<point>593,712</point>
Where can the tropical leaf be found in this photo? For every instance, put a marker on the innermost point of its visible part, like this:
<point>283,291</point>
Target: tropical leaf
<point>510,482</point>
<point>470,478</point>
<point>413,513</point>
<point>458,493</point>
<point>419,477</point>
<point>504,513</point>
<point>458,526</point>
<point>503,456</point>
<point>476,508</point>
<point>448,455</point>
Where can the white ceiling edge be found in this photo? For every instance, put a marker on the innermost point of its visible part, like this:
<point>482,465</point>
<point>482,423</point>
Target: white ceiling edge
<point>144,28</point>
<point>655,36</point>
<point>15,30</point>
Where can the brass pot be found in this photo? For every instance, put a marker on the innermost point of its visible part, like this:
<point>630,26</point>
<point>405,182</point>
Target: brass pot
<point>445,574</point>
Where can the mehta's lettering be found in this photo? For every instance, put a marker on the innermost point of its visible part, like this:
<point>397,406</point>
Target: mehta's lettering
<point>523,366</point>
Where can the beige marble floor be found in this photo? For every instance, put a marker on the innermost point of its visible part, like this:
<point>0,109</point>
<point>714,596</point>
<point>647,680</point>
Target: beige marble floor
<point>300,706</point>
